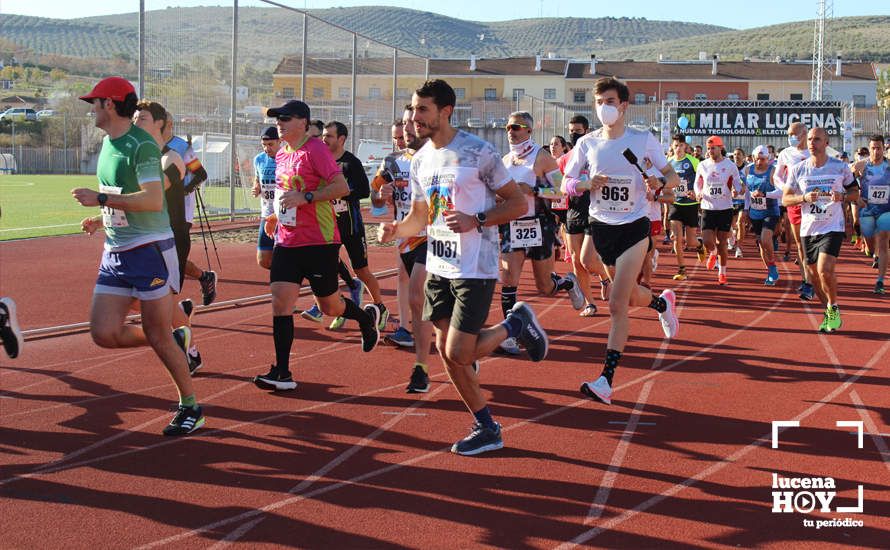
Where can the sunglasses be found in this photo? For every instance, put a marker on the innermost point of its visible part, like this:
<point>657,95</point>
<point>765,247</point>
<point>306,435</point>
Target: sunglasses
<point>515,127</point>
<point>284,118</point>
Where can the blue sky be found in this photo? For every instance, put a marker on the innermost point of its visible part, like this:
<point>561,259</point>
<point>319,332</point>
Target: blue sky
<point>730,14</point>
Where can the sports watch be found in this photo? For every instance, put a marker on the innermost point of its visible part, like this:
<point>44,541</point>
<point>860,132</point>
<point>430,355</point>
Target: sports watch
<point>481,218</point>
<point>308,196</point>
<point>101,198</point>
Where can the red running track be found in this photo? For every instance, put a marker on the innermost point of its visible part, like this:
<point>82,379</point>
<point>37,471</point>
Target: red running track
<point>348,460</point>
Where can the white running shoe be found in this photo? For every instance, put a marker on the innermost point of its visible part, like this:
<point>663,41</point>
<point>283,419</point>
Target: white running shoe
<point>654,260</point>
<point>575,293</point>
<point>510,347</point>
<point>599,389</point>
<point>738,252</point>
<point>670,323</point>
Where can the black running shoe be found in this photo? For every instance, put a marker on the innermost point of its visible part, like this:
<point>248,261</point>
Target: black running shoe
<point>187,307</point>
<point>275,380</point>
<point>420,381</point>
<point>370,332</point>
<point>187,420</point>
<point>9,328</point>
<point>208,287</point>
<point>480,440</point>
<point>532,336</point>
<point>195,362</point>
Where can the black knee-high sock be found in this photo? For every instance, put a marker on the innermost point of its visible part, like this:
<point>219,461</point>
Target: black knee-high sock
<point>352,311</point>
<point>610,364</point>
<point>508,298</point>
<point>346,275</point>
<point>283,335</point>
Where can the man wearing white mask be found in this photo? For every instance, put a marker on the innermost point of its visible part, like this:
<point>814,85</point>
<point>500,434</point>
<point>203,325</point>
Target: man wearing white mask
<point>619,221</point>
<point>788,157</point>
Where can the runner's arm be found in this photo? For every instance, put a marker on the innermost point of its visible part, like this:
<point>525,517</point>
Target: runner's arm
<point>150,198</point>
<point>413,223</point>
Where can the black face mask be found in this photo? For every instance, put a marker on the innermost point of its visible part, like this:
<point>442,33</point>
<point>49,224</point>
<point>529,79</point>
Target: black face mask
<point>574,138</point>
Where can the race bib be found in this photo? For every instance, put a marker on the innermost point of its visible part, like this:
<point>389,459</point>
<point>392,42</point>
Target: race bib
<point>268,192</point>
<point>286,216</point>
<point>340,206</point>
<point>878,194</point>
<point>819,210</point>
<point>680,190</point>
<point>758,203</point>
<point>110,216</point>
<point>443,250</point>
<point>617,195</point>
<point>525,234</point>
<point>716,189</point>
<point>560,204</point>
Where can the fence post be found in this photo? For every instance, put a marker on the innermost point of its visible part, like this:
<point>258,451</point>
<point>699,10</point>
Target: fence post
<point>65,138</point>
<point>354,84</point>
<point>395,79</point>
<point>303,55</point>
<point>233,108</point>
<point>141,48</point>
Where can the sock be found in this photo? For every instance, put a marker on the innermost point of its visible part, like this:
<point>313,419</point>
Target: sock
<point>513,326</point>
<point>283,335</point>
<point>658,303</point>
<point>189,401</point>
<point>352,311</point>
<point>483,417</point>
<point>880,278</point>
<point>508,299</point>
<point>560,283</point>
<point>346,276</point>
<point>610,364</point>
<point>425,368</point>
<point>721,269</point>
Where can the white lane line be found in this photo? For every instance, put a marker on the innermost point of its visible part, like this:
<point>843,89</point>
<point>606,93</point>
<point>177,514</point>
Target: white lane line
<point>40,227</point>
<point>872,428</point>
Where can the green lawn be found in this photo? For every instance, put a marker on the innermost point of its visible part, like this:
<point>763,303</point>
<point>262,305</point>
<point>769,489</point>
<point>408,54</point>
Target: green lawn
<point>39,206</point>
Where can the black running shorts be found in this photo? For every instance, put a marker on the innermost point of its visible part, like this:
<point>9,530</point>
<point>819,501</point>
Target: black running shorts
<point>827,243</point>
<point>687,214</point>
<point>716,220</point>
<point>611,241</point>
<point>464,301</point>
<point>415,256</point>
<point>354,241</point>
<point>317,263</point>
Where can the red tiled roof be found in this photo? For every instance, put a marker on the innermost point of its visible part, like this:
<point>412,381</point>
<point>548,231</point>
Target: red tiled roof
<point>726,70</point>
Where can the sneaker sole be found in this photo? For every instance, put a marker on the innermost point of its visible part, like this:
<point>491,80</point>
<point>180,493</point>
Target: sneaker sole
<point>311,318</point>
<point>393,342</point>
<point>411,389</point>
<point>585,389</point>
<point>13,327</point>
<point>575,294</point>
<point>265,385</point>
<point>480,450</point>
<point>197,425</point>
<point>533,320</point>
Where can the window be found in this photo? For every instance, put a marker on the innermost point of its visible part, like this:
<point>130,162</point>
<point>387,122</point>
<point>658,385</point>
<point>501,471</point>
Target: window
<point>518,93</point>
<point>403,93</point>
<point>701,96</point>
<point>491,94</point>
<point>672,96</point>
<point>549,93</point>
<point>640,99</point>
<point>796,97</point>
<point>733,97</point>
<point>858,101</point>
<point>317,92</point>
<point>579,96</point>
<point>762,97</point>
<point>344,92</point>
<point>460,93</point>
<point>374,93</point>
<point>287,92</point>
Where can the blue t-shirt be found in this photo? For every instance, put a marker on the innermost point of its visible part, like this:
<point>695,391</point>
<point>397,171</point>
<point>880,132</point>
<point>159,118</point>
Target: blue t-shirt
<point>761,207</point>
<point>685,168</point>
<point>874,188</point>
<point>264,168</point>
<point>740,200</point>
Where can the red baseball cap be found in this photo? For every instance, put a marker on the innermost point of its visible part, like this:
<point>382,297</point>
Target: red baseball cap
<point>115,88</point>
<point>715,141</point>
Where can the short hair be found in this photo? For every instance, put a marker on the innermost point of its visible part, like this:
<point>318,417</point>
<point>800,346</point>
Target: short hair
<point>127,107</point>
<point>524,115</point>
<point>580,119</point>
<point>398,123</point>
<point>679,137</point>
<point>318,123</point>
<point>157,111</point>
<point>440,91</point>
<point>876,137</point>
<point>607,83</point>
<point>342,131</point>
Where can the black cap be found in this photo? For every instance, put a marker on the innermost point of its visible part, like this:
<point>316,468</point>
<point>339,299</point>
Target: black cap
<point>270,133</point>
<point>294,107</point>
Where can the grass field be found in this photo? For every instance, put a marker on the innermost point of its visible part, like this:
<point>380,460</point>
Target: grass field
<point>40,206</point>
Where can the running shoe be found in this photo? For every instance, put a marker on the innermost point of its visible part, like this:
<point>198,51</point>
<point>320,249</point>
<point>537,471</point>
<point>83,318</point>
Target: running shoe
<point>532,336</point>
<point>654,260</point>
<point>358,293</point>
<point>480,440</point>
<point>786,257</point>
<point>187,307</point>
<point>183,338</point>
<point>823,327</point>
<point>275,380</point>
<point>712,261</point>
<point>208,287</point>
<point>599,389</point>
<point>401,337</point>
<point>670,322</point>
<point>681,274</point>
<point>773,272</point>
<point>420,380</point>
<point>874,262</point>
<point>604,289</point>
<point>721,279</point>
<point>769,281</point>
<point>879,287</point>
<point>476,368</point>
<point>337,323</point>
<point>383,315</point>
<point>575,293</point>
<point>666,239</point>
<point>731,241</point>
<point>834,318</point>
<point>9,328</point>
<point>738,252</point>
<point>370,332</point>
<point>509,346</point>
<point>806,292</point>
<point>195,362</point>
<point>312,314</point>
<point>700,250</point>
<point>588,311</point>
<point>187,420</point>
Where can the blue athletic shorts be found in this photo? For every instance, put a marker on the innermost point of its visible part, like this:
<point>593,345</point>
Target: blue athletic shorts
<point>872,224</point>
<point>147,272</point>
<point>263,242</point>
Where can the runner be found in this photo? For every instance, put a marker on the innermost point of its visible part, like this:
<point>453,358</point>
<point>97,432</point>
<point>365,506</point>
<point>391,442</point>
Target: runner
<point>533,235</point>
<point>307,240</point>
<point>874,207</point>
<point>10,333</point>
<point>619,224</point>
<point>821,184</point>
<point>716,183</point>
<point>559,147</point>
<point>455,178</point>
<point>684,211</point>
<point>139,260</point>
<point>763,208</point>
<point>796,152</point>
<point>739,219</point>
<point>264,187</point>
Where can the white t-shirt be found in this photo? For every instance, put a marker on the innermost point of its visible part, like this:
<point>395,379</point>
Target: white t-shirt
<point>788,157</point>
<point>522,170</point>
<point>715,182</point>
<point>824,215</point>
<point>623,199</point>
<point>462,176</point>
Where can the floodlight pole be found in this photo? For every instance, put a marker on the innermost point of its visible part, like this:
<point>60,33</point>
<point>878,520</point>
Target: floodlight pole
<point>141,74</point>
<point>233,108</point>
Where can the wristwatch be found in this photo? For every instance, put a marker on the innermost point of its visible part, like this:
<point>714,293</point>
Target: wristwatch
<point>481,218</point>
<point>308,196</point>
<point>102,198</point>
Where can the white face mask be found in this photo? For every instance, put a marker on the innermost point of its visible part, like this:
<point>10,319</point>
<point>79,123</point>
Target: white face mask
<point>793,141</point>
<point>608,114</point>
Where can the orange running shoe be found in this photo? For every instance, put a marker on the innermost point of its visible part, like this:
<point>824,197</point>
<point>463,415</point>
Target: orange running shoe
<point>721,279</point>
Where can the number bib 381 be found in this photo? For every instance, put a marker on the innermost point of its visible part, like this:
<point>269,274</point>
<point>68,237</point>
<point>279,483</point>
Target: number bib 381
<point>110,216</point>
<point>525,234</point>
<point>617,195</point>
<point>286,216</point>
<point>443,250</point>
